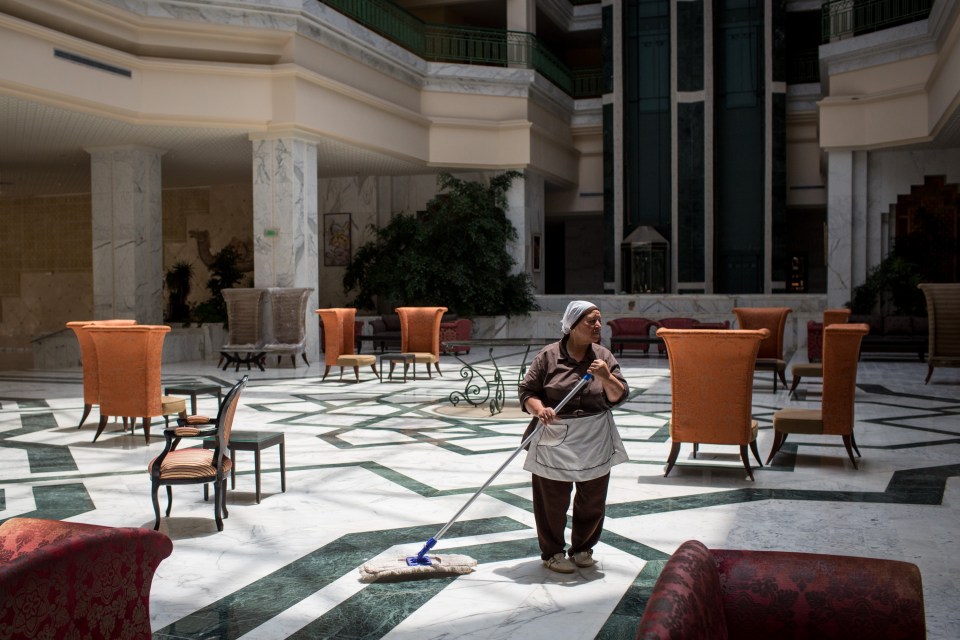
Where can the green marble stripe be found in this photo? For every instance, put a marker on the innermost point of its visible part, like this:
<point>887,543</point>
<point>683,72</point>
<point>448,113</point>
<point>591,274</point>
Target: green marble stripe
<point>252,605</point>
<point>59,502</point>
<point>42,458</point>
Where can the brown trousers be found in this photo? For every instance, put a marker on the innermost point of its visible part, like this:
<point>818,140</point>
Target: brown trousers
<point>551,499</point>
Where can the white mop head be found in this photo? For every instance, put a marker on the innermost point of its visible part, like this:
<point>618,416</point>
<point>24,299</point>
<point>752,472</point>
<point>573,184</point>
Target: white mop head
<point>397,568</point>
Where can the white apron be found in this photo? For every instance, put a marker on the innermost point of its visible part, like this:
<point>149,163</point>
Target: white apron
<point>576,449</point>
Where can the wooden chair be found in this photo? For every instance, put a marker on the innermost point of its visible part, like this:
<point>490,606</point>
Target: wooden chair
<point>88,360</point>
<point>339,325</point>
<point>815,369</point>
<point>711,380</point>
<point>73,580</point>
<point>197,465</point>
<point>420,335</point>
<point>129,359</point>
<point>244,328</point>
<point>288,310</point>
<point>943,317</point>
<point>841,353</point>
<point>774,320</point>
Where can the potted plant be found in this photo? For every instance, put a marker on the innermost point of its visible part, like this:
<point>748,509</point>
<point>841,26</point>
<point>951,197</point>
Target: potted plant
<point>177,280</point>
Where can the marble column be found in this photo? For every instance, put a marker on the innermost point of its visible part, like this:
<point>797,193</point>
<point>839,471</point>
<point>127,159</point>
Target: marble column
<point>285,230</point>
<point>840,227</point>
<point>525,210</point>
<point>127,233</point>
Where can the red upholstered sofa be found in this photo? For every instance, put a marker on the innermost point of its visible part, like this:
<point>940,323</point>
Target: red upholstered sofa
<point>459,329</point>
<point>70,580</point>
<point>630,328</point>
<point>737,595</point>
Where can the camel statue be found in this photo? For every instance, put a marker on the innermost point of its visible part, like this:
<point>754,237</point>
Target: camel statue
<point>242,249</point>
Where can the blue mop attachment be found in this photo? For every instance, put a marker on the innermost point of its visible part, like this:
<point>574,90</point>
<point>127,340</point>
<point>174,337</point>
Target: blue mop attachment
<point>422,559</point>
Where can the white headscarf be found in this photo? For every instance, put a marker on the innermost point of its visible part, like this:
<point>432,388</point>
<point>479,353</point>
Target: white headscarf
<point>575,310</point>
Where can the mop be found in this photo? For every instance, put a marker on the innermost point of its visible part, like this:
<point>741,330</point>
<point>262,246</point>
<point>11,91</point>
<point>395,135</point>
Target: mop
<point>450,564</point>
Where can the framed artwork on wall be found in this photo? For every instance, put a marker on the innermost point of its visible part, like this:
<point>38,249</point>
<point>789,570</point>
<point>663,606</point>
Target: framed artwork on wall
<point>535,252</point>
<point>336,239</point>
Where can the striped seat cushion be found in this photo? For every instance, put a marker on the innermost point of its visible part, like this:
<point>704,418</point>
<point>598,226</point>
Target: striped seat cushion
<point>183,464</point>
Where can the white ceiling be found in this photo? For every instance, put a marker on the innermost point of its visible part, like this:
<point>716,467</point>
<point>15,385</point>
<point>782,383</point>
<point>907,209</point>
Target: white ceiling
<point>43,151</point>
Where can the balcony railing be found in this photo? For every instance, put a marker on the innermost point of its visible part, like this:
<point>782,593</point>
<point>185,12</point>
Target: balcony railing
<point>847,18</point>
<point>467,45</point>
<point>803,67</point>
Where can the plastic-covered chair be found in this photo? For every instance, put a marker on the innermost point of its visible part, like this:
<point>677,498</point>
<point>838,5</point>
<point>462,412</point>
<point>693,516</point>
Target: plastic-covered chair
<point>88,360</point>
<point>711,380</point>
<point>197,465</point>
<point>339,325</point>
<point>774,320</point>
<point>943,317</point>
<point>73,580</point>
<point>288,310</point>
<point>814,369</point>
<point>420,335</point>
<point>129,360</point>
<point>841,353</point>
<point>244,328</point>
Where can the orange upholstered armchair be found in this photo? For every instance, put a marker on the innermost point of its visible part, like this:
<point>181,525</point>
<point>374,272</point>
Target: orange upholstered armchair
<point>129,374</point>
<point>339,325</point>
<point>814,369</point>
<point>711,380</point>
<point>71,580</point>
<point>841,353</point>
<point>774,320</point>
<point>88,359</point>
<point>420,334</point>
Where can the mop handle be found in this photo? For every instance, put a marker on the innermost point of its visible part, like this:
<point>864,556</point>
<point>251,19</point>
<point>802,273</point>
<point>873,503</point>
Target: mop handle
<point>580,383</point>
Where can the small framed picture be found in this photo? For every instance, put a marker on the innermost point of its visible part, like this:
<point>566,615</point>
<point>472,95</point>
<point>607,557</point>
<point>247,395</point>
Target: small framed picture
<point>535,252</point>
<point>336,239</point>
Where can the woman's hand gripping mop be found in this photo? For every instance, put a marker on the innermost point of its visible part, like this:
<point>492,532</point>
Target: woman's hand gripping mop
<point>450,563</point>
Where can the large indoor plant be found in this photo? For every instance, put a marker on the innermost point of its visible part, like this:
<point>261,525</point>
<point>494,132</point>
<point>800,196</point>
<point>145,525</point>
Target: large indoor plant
<point>453,254</point>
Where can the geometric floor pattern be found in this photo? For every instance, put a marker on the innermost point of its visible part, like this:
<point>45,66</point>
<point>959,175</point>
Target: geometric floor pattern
<point>376,468</point>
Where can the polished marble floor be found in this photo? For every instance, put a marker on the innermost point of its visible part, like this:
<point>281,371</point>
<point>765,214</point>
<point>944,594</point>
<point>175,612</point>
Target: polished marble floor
<point>374,469</point>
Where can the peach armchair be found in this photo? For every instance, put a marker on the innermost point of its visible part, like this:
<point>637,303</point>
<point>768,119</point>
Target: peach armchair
<point>129,374</point>
<point>88,360</point>
<point>774,320</point>
<point>841,353</point>
<point>72,580</point>
<point>815,369</point>
<point>943,316</point>
<point>711,380</point>
<point>339,325</point>
<point>420,335</point>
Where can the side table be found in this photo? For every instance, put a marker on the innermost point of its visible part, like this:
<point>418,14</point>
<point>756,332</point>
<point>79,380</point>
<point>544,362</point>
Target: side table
<point>192,389</point>
<point>255,441</point>
<point>393,358</point>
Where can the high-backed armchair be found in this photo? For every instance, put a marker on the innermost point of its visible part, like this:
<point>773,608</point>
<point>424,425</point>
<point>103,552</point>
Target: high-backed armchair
<point>339,325</point>
<point>72,580</point>
<point>841,353</point>
<point>814,369</point>
<point>743,594</point>
<point>774,320</point>
<point>420,334</point>
<point>129,361</point>
<point>244,328</point>
<point>711,380</point>
<point>288,310</point>
<point>88,360</point>
<point>943,317</point>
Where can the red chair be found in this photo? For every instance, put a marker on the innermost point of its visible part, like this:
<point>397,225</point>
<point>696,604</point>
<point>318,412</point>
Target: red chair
<point>774,320</point>
<point>71,580</point>
<point>746,595</point>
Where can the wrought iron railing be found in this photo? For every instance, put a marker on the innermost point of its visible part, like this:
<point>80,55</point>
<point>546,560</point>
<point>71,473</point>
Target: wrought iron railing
<point>847,18</point>
<point>588,82</point>
<point>467,45</point>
